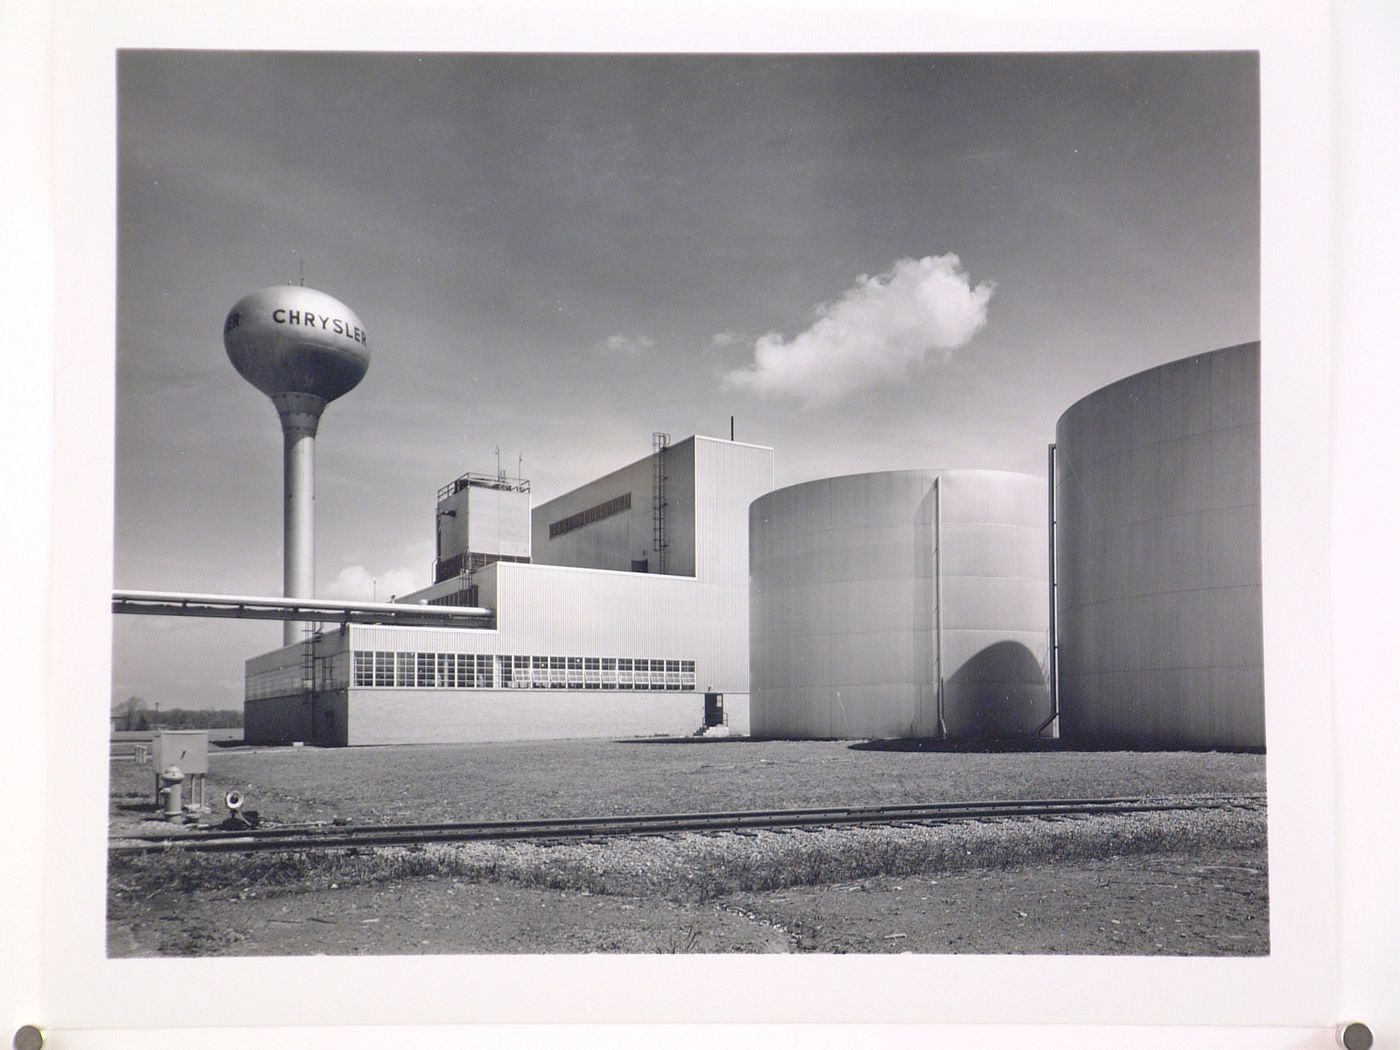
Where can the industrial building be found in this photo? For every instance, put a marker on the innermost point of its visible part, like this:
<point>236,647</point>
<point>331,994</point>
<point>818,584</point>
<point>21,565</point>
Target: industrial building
<point>633,601</point>
<point>1117,606</point>
<point>905,603</point>
<point>1158,614</point>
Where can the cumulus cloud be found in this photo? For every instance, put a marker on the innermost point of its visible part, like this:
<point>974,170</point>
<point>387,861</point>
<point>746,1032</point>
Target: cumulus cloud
<point>631,345</point>
<point>355,583</point>
<point>878,330</point>
<point>722,339</point>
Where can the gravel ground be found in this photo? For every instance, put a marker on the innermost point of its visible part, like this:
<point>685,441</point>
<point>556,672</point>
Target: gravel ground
<point>1182,882</point>
<point>1163,883</point>
<point>580,778</point>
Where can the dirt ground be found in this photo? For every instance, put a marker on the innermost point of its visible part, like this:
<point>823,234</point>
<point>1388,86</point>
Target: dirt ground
<point>1159,904</point>
<point>1177,885</point>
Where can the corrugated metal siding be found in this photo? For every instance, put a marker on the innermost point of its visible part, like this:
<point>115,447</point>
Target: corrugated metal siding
<point>615,542</point>
<point>1159,616</point>
<point>281,671</point>
<point>728,478</point>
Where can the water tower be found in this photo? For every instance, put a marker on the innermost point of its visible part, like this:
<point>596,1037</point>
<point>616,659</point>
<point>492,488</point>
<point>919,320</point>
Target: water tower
<point>303,349</point>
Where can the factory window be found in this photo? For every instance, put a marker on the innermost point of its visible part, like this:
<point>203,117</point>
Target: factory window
<point>606,509</point>
<point>446,671</point>
<point>383,669</point>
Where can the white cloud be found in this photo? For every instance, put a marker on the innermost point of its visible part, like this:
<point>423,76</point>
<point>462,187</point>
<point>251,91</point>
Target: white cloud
<point>631,345</point>
<point>355,583</point>
<point>722,339</point>
<point>878,330</point>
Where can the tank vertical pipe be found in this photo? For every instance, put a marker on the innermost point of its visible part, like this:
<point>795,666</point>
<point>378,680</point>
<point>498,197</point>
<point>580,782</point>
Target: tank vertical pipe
<point>1052,658</point>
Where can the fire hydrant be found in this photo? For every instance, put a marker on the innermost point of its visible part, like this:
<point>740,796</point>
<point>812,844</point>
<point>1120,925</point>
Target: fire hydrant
<point>170,791</point>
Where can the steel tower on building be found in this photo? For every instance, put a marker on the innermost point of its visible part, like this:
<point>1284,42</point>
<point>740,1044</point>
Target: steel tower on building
<point>303,349</point>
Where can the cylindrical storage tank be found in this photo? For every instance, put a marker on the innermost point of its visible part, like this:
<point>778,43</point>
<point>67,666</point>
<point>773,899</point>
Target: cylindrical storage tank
<point>1158,615</point>
<point>878,602</point>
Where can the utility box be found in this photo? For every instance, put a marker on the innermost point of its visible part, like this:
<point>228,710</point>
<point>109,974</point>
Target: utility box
<point>186,748</point>
<point>189,750</point>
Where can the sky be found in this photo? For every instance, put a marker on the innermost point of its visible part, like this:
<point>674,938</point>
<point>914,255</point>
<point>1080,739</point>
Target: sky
<point>871,262</point>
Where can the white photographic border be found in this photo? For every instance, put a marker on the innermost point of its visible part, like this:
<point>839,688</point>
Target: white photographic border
<point>56,890</point>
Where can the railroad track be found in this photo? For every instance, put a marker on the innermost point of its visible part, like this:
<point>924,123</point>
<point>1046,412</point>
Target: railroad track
<point>303,837</point>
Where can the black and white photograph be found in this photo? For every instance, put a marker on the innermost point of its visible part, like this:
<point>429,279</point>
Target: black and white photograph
<point>586,523</point>
<point>725,503</point>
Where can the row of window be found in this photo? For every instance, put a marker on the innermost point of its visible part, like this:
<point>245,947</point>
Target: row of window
<point>297,676</point>
<point>606,509</point>
<point>377,669</point>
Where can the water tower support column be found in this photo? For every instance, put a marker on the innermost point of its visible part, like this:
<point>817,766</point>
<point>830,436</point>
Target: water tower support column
<point>300,415</point>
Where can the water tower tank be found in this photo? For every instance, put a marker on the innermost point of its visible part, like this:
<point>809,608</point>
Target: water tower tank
<point>303,349</point>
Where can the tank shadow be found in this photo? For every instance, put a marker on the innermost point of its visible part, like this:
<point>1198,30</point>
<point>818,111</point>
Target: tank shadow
<point>707,740</point>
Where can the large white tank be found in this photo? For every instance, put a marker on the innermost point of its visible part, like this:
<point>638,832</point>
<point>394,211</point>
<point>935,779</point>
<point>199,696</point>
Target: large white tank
<point>303,349</point>
<point>900,604</point>
<point>1158,614</point>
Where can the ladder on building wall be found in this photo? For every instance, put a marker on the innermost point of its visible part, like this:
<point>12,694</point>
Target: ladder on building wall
<point>308,664</point>
<point>659,443</point>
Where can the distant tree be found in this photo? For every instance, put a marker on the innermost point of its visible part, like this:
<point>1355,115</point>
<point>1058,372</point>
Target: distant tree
<point>200,718</point>
<point>132,713</point>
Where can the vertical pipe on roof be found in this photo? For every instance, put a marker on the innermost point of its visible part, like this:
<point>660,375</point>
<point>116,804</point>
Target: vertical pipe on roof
<point>1052,657</point>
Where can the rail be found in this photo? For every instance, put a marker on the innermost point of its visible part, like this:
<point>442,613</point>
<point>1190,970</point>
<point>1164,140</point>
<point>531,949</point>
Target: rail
<point>338,836</point>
